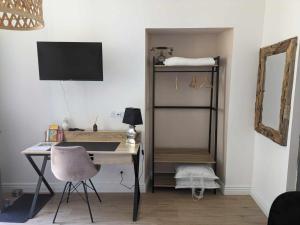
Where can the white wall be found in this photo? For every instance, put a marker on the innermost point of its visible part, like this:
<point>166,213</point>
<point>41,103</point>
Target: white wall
<point>29,105</point>
<point>274,169</point>
<point>225,47</point>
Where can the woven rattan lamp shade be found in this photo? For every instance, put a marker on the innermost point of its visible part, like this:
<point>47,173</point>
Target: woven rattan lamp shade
<point>21,14</point>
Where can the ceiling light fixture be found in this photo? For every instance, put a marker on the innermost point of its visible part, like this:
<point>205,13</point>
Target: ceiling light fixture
<point>21,14</point>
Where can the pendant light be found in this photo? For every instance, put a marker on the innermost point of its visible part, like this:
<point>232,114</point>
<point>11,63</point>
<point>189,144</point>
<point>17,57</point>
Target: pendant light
<point>21,14</point>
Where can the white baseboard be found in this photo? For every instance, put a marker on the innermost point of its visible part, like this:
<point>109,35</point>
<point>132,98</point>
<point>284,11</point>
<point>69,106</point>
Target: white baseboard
<point>261,203</point>
<point>58,187</point>
<point>235,190</point>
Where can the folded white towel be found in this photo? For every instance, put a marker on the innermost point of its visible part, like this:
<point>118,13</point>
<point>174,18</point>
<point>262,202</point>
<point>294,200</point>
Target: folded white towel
<point>181,61</point>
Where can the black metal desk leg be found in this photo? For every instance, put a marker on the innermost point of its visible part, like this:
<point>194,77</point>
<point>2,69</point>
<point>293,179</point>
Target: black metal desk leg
<point>40,172</point>
<point>136,200</point>
<point>39,183</point>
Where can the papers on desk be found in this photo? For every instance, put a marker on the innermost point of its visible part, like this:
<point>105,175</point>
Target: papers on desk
<point>42,146</point>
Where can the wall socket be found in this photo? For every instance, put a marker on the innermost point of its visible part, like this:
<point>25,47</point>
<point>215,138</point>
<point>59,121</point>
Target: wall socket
<point>117,115</point>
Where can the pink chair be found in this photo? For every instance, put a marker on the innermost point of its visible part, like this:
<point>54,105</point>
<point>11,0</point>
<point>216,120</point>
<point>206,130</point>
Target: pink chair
<point>73,165</point>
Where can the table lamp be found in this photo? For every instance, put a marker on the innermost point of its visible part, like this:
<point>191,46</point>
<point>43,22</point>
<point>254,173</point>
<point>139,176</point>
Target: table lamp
<point>133,117</point>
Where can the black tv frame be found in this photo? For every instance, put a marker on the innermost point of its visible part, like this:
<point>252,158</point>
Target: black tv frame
<point>83,79</point>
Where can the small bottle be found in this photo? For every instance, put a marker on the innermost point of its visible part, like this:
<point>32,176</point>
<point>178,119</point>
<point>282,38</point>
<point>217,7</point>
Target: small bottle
<point>95,127</point>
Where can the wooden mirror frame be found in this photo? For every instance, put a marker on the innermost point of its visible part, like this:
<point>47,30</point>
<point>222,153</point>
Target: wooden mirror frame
<point>289,46</point>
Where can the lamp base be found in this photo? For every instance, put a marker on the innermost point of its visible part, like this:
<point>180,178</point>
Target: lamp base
<point>131,135</point>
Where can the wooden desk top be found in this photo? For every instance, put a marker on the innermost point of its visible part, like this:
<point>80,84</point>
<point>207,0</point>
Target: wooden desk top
<point>90,136</point>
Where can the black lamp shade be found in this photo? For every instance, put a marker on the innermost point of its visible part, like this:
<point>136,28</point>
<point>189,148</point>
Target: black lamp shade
<point>132,116</point>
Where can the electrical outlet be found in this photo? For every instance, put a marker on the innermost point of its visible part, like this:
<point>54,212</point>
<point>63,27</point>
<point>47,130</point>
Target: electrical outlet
<point>117,115</point>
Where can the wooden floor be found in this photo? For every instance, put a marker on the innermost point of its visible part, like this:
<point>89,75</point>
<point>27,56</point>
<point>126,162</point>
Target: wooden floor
<point>164,207</point>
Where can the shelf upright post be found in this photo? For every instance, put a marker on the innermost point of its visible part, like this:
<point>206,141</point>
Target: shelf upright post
<point>217,111</point>
<point>211,106</point>
<point>153,119</point>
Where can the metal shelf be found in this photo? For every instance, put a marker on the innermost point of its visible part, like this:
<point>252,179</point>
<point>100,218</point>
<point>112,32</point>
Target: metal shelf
<point>183,155</point>
<point>178,156</point>
<point>183,71</point>
<point>182,107</point>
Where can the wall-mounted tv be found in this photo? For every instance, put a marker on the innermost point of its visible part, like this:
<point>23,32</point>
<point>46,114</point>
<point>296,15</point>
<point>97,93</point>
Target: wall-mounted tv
<point>81,61</point>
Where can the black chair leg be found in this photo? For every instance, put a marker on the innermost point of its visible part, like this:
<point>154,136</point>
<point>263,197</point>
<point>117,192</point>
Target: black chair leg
<point>70,185</point>
<point>62,196</point>
<point>95,190</point>
<point>87,200</point>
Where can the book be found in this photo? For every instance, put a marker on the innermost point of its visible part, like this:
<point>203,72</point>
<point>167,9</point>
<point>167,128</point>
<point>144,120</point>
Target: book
<point>52,135</point>
<point>60,135</point>
<point>53,127</point>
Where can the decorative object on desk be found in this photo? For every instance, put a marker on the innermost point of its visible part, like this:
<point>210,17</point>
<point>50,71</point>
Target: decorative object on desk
<point>95,127</point>
<point>65,124</point>
<point>53,127</point>
<point>133,117</point>
<point>54,134</point>
<point>159,52</point>
<point>75,129</point>
<point>21,14</point>
<point>60,135</point>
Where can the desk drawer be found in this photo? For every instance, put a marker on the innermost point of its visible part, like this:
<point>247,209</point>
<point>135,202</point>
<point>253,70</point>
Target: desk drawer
<point>112,159</point>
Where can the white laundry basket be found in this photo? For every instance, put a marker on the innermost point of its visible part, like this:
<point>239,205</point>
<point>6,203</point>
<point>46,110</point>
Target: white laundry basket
<point>196,177</point>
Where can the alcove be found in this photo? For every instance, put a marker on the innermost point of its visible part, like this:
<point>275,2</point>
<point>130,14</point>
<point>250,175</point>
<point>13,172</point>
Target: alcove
<point>181,128</point>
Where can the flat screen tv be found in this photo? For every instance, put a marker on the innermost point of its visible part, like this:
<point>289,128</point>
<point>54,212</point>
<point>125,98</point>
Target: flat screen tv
<point>81,61</point>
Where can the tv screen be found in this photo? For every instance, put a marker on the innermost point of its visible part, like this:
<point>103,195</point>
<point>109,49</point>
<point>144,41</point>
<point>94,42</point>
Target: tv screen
<point>70,61</point>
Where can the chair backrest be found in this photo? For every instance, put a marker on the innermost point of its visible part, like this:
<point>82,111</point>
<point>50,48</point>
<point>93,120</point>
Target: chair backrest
<point>285,209</point>
<point>71,164</point>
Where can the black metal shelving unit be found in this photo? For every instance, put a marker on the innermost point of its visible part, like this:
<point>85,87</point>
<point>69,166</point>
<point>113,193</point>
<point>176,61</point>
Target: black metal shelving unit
<point>213,127</point>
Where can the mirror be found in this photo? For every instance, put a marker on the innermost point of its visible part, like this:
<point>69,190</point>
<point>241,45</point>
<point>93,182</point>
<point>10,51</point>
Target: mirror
<point>273,81</point>
<point>274,89</point>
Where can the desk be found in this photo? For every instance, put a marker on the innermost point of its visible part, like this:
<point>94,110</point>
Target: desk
<point>124,154</point>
